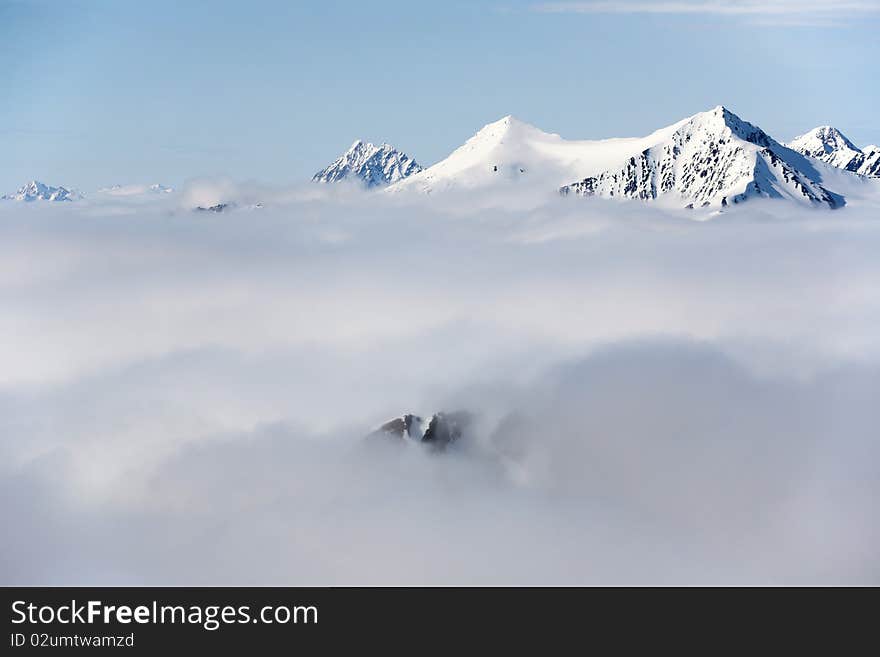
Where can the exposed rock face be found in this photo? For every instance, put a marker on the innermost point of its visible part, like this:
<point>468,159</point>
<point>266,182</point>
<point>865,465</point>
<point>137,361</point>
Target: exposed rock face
<point>374,166</point>
<point>220,207</point>
<point>437,431</point>
<point>830,145</point>
<point>712,159</point>
<point>37,191</point>
<point>871,165</point>
<point>446,428</point>
<point>402,427</point>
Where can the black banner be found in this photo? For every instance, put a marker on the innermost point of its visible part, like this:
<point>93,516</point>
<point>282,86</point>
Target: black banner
<point>154,620</point>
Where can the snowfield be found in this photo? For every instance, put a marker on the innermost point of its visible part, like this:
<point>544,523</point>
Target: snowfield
<point>710,160</point>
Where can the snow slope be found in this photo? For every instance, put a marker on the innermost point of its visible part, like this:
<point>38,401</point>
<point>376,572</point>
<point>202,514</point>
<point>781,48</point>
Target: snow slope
<point>375,166</point>
<point>37,191</point>
<point>510,151</point>
<point>711,159</point>
<point>832,147</point>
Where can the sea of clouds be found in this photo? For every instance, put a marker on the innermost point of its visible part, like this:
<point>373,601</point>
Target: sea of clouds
<point>184,395</point>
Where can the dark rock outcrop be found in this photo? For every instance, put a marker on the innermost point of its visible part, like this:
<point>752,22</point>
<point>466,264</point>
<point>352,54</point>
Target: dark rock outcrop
<point>437,432</point>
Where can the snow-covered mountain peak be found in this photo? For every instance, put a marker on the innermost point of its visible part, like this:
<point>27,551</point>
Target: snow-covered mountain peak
<point>360,148</point>
<point>824,139</point>
<point>719,122</point>
<point>831,146</point>
<point>711,159</point>
<point>37,191</point>
<point>507,129</point>
<point>505,152</point>
<point>373,165</point>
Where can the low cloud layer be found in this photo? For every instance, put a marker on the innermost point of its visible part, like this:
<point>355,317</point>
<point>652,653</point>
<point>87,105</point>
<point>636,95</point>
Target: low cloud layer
<point>184,395</point>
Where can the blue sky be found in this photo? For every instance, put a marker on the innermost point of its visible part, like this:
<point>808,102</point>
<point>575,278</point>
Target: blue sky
<point>101,92</point>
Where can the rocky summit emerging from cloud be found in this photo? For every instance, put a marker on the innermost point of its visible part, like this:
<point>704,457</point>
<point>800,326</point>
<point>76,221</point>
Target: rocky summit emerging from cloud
<point>374,166</point>
<point>832,147</point>
<point>437,431</point>
<point>712,159</point>
<point>37,191</point>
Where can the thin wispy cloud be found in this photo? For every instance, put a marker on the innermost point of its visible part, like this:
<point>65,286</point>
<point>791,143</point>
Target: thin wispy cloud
<point>789,9</point>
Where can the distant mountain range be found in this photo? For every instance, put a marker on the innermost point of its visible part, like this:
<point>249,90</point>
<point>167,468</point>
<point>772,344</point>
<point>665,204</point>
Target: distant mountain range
<point>37,191</point>
<point>711,160</point>
<point>831,146</point>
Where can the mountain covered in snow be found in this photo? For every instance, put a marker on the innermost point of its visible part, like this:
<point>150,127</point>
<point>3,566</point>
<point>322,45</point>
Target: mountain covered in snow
<point>830,145</point>
<point>711,159</point>
<point>508,152</point>
<point>374,166</point>
<point>37,191</point>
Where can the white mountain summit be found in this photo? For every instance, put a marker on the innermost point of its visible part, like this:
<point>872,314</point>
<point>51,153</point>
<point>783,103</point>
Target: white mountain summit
<point>507,152</point>
<point>37,191</point>
<point>831,146</point>
<point>710,159</point>
<point>375,166</point>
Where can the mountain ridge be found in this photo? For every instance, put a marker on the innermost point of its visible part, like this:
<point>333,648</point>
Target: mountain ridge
<point>38,191</point>
<point>711,159</point>
<point>830,145</point>
<point>374,166</point>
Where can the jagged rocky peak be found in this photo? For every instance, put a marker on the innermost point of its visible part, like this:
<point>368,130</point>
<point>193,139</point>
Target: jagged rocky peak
<point>871,165</point>
<point>711,159</point>
<point>719,123</point>
<point>822,141</point>
<point>37,191</point>
<point>374,166</point>
<point>437,431</point>
<point>219,207</point>
<point>830,145</point>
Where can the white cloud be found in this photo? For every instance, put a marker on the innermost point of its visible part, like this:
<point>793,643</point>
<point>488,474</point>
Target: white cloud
<point>834,9</point>
<point>648,387</point>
